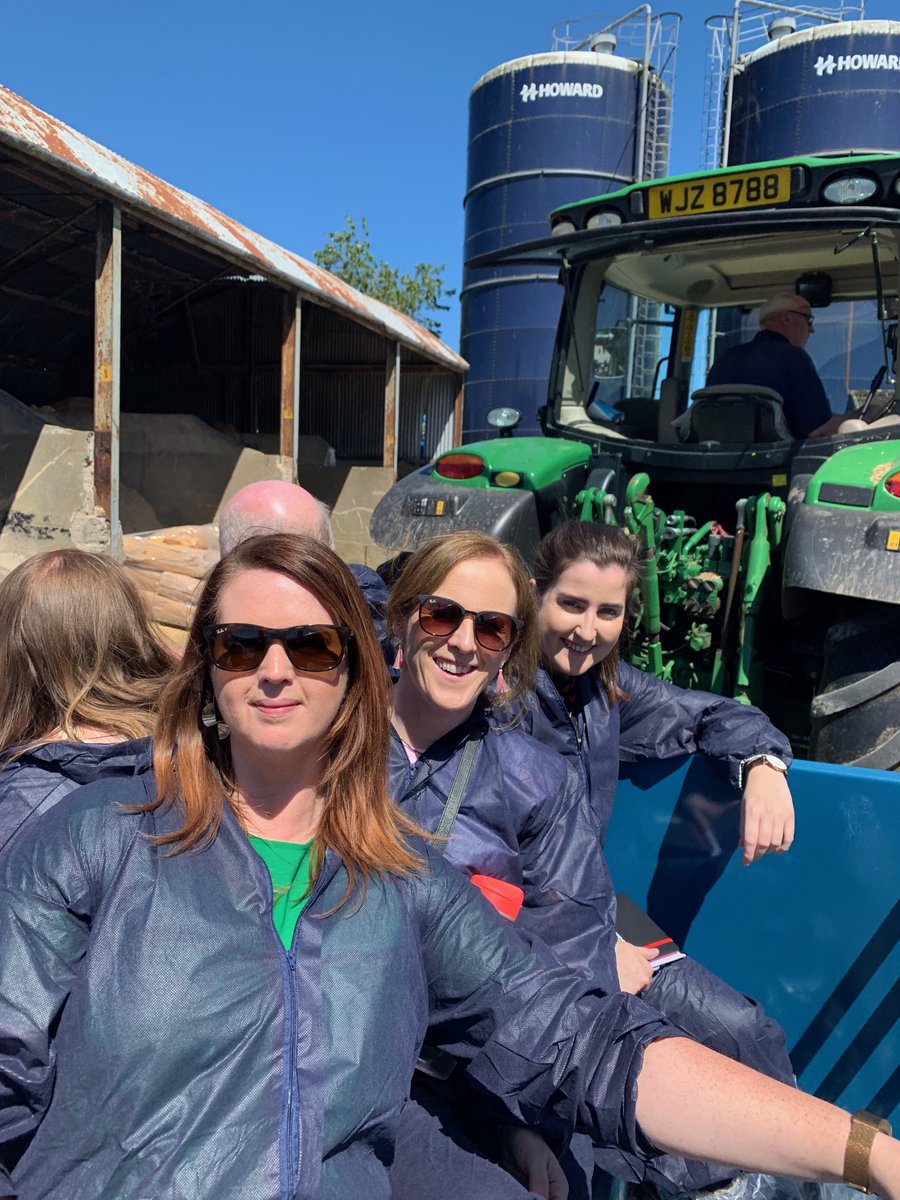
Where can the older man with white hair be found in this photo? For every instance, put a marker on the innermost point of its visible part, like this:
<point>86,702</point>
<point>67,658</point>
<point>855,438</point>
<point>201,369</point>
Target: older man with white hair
<point>273,506</point>
<point>776,359</point>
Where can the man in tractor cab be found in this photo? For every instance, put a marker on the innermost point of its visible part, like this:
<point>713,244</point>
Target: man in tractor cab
<point>776,359</point>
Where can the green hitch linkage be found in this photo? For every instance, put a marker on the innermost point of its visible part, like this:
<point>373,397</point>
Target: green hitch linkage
<point>640,515</point>
<point>765,514</point>
<point>597,506</point>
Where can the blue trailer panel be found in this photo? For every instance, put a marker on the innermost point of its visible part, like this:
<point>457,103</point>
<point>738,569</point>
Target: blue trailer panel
<point>813,934</point>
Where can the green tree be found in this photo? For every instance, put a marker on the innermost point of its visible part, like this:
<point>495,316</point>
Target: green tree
<point>348,254</point>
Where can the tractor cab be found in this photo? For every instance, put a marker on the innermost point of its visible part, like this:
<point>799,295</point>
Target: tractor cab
<point>662,278</point>
<point>772,560</point>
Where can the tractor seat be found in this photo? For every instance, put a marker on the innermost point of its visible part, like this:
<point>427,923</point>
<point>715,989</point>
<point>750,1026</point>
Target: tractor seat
<point>734,413</point>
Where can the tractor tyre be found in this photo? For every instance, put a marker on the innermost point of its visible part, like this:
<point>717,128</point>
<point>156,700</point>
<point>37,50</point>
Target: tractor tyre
<point>856,712</point>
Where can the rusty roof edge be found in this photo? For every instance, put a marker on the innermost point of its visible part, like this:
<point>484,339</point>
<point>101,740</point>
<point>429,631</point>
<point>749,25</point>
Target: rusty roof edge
<point>29,129</point>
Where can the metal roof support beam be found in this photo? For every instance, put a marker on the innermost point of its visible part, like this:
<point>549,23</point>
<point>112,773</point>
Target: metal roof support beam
<point>290,385</point>
<point>107,369</point>
<point>391,406</point>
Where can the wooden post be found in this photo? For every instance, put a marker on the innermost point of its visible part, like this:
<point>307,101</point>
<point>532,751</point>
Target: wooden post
<point>290,384</point>
<point>107,372</point>
<point>392,406</point>
<point>458,411</point>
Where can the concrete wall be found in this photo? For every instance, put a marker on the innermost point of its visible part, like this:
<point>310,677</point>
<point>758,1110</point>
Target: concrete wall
<point>48,494</point>
<point>174,470</point>
<point>351,492</point>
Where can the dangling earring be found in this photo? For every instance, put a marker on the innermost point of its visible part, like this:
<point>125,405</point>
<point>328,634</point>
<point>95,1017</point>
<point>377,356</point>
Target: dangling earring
<point>209,717</point>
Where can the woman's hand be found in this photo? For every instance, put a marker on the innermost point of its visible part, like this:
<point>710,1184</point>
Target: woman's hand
<point>767,813</point>
<point>633,966</point>
<point>527,1157</point>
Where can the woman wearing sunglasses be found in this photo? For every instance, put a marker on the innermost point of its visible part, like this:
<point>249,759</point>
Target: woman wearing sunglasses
<point>509,812</point>
<point>463,610</point>
<point>164,1032</point>
<point>81,668</point>
<point>226,963</point>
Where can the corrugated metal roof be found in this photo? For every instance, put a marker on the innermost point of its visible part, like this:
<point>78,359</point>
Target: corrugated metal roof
<point>30,130</point>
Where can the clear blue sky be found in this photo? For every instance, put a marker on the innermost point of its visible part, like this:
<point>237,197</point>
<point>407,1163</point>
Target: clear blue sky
<point>288,119</point>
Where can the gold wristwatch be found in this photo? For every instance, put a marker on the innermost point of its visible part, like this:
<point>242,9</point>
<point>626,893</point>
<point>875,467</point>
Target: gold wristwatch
<point>863,1127</point>
<point>771,760</point>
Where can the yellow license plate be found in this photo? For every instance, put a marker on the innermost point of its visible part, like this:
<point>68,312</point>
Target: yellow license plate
<point>745,189</point>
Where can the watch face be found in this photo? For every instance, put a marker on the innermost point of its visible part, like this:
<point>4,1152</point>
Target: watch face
<point>778,763</point>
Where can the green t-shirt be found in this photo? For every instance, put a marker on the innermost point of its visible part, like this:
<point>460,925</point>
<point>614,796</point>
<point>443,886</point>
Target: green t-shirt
<point>288,864</point>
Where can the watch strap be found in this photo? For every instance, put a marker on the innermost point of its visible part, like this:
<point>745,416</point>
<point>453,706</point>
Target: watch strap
<point>863,1127</point>
<point>744,765</point>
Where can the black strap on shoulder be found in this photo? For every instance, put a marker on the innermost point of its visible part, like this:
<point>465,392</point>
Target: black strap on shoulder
<point>458,790</point>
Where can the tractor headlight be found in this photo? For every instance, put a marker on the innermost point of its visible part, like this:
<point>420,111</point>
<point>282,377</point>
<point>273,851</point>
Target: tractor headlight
<point>850,189</point>
<point>603,219</point>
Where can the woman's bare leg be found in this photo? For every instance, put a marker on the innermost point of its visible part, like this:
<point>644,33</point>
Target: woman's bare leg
<point>693,1101</point>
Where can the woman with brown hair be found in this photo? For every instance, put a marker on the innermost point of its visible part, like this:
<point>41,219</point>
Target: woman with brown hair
<point>461,611</point>
<point>80,674</point>
<point>164,1030</point>
<point>523,820</point>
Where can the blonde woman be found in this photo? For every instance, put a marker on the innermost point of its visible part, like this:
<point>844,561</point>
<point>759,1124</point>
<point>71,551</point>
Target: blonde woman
<point>81,668</point>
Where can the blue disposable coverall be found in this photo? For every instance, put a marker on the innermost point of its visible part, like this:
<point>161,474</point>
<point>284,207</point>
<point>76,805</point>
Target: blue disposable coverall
<point>32,782</point>
<point>157,1040</point>
<point>525,819</point>
<point>658,720</point>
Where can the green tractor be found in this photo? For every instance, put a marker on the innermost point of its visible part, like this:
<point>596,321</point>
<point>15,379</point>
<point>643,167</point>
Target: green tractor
<point>772,565</point>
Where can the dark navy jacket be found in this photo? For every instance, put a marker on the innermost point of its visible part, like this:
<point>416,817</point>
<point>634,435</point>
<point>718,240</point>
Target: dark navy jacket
<point>770,360</point>
<point>658,720</point>
<point>375,594</point>
<point>157,1040</point>
<point>34,781</point>
<point>521,820</point>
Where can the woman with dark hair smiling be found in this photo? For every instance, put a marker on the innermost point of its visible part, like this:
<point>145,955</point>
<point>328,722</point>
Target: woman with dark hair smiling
<point>595,710</point>
<point>215,978</point>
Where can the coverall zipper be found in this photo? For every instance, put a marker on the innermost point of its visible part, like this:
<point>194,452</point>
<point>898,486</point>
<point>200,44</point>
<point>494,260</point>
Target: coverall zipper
<point>293,1153</point>
<point>289,1150</point>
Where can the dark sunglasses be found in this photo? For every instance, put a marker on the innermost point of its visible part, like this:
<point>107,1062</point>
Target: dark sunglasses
<point>441,617</point>
<point>309,647</point>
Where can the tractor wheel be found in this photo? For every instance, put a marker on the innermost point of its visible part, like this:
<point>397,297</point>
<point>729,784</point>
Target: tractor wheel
<point>856,713</point>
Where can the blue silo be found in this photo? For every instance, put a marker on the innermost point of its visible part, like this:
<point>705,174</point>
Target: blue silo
<point>544,130</point>
<point>830,89</point>
<point>834,89</point>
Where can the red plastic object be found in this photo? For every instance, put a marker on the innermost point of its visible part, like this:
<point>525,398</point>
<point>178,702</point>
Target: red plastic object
<point>459,466</point>
<point>505,897</point>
